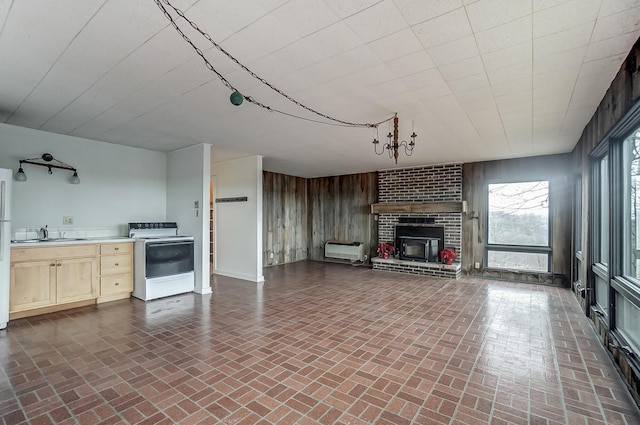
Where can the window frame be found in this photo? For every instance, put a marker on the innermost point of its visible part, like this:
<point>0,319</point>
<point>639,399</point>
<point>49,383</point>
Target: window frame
<point>533,249</point>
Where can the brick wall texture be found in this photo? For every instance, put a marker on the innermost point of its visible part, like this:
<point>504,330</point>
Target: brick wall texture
<point>438,183</point>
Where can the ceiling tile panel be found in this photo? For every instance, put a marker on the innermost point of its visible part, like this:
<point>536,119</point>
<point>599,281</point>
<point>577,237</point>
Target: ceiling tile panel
<point>611,7</point>
<point>491,13</point>
<point>304,17</point>
<point>514,55</point>
<point>464,68</point>
<point>416,11</point>
<point>473,82</point>
<point>563,41</point>
<point>445,28</point>
<point>344,9</point>
<point>619,45</point>
<point>396,45</point>
<point>377,21</point>
<point>512,33</point>
<point>618,24</point>
<point>559,18</point>
<point>454,51</point>
<point>411,64</point>
<point>331,41</point>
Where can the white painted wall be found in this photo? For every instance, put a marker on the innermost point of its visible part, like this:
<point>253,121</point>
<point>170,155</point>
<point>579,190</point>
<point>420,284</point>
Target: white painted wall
<point>188,172</point>
<point>238,229</point>
<point>118,184</point>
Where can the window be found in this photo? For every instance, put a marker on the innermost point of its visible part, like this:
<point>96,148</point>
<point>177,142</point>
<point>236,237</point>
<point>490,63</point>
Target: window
<point>601,247</point>
<point>631,161</point>
<point>518,226</point>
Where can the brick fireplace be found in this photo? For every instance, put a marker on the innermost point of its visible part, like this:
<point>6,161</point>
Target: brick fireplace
<point>433,186</point>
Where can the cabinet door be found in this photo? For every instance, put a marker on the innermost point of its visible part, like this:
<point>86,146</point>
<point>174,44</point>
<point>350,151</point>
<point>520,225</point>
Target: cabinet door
<point>33,285</point>
<point>77,279</point>
<point>115,264</point>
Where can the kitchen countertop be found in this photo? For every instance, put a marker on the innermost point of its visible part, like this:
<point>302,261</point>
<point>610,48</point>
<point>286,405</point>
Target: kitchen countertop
<point>71,241</point>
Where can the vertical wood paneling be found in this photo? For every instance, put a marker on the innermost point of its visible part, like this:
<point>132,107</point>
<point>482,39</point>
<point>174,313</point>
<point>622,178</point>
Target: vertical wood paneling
<point>339,208</point>
<point>285,222</point>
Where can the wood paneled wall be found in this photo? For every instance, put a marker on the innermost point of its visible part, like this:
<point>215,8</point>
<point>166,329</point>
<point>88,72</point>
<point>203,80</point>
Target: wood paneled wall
<point>300,215</point>
<point>285,229</point>
<point>340,211</point>
<point>555,168</point>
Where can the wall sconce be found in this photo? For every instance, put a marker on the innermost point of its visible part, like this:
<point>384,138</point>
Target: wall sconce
<point>46,160</point>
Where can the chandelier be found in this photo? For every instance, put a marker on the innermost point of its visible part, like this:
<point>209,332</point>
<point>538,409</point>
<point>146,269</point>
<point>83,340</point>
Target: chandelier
<point>393,145</point>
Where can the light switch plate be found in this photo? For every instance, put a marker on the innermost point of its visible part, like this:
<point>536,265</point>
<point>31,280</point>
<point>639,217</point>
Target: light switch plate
<point>67,219</point>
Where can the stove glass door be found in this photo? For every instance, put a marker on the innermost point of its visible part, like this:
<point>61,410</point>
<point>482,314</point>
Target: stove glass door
<point>166,258</point>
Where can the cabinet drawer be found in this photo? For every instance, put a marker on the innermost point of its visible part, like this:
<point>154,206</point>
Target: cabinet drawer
<point>115,264</point>
<point>116,248</point>
<point>52,252</point>
<point>116,284</point>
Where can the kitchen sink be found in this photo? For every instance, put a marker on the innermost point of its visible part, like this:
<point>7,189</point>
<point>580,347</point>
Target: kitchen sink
<point>48,240</point>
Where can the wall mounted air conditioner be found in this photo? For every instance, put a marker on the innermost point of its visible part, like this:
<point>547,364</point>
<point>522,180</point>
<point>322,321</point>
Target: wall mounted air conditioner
<point>343,250</point>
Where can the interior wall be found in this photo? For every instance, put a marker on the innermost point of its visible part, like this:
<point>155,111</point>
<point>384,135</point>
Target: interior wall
<point>118,184</point>
<point>339,209</point>
<point>238,230</point>
<point>188,180</point>
<point>555,168</point>
<point>285,219</point>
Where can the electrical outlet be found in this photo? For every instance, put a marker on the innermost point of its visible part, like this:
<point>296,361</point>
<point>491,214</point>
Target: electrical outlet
<point>67,219</point>
<point>366,257</point>
<point>271,255</point>
<point>477,265</point>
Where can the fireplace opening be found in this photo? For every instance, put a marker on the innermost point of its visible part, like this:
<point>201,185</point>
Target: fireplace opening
<point>419,242</point>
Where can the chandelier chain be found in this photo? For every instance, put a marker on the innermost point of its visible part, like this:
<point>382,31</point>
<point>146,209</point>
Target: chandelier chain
<point>224,81</point>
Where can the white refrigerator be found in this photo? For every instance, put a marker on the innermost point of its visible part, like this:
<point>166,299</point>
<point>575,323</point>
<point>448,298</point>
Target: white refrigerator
<point>5,244</point>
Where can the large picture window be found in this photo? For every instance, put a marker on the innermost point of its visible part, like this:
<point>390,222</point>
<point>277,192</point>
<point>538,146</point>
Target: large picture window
<point>518,226</point>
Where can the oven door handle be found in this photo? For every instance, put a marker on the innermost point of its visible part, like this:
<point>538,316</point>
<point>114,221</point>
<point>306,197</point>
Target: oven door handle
<point>155,244</point>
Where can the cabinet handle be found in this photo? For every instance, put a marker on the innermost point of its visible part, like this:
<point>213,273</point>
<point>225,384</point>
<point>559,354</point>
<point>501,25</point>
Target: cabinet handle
<point>117,264</point>
<point>59,264</point>
<point>116,248</point>
<point>117,283</point>
<point>52,264</point>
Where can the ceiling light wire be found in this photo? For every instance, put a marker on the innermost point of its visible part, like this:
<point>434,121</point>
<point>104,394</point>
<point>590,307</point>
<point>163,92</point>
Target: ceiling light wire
<point>230,86</point>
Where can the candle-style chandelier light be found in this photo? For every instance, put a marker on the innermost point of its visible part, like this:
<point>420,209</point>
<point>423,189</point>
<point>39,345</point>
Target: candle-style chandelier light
<point>393,145</point>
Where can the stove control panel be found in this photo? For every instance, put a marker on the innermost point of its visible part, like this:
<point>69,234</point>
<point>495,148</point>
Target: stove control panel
<point>153,225</point>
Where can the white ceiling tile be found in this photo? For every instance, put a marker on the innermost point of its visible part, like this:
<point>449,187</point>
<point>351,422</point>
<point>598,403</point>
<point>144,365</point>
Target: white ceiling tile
<point>478,107</point>
<point>569,14</point>
<point>509,56</point>
<point>331,41</point>
<point>454,51</point>
<point>509,73</point>
<point>377,21</point>
<point>566,62</point>
<point>415,11</point>
<point>445,28</point>
<point>619,45</point>
<point>490,13</point>
<point>617,24</point>
<point>539,5</point>
<point>396,45</point>
<point>608,66</point>
<point>345,9</point>
<point>504,87</point>
<point>299,55</point>
<point>610,7</point>
<point>521,102</point>
<point>304,17</point>
<point>548,121</point>
<point>482,95</point>
<point>411,64</point>
<point>389,88</point>
<point>551,104</point>
<point>562,41</point>
<point>250,44</point>
<point>505,35</point>
<point>464,68</point>
<point>473,82</point>
<point>430,77</point>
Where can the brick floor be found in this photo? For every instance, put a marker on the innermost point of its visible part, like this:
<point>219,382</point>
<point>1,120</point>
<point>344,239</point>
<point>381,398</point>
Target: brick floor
<point>317,344</point>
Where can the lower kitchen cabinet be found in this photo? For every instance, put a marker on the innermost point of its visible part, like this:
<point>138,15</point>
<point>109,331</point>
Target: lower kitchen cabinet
<point>46,279</point>
<point>116,271</point>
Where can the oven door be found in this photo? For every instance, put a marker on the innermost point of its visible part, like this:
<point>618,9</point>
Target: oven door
<point>168,258</point>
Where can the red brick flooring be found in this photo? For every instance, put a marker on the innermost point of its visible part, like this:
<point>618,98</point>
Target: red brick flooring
<point>318,343</point>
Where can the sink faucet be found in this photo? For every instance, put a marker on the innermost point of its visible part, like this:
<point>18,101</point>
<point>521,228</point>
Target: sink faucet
<point>44,232</point>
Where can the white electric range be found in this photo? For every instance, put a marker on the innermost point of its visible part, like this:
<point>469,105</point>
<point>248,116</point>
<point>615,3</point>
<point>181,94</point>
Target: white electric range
<point>163,261</point>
